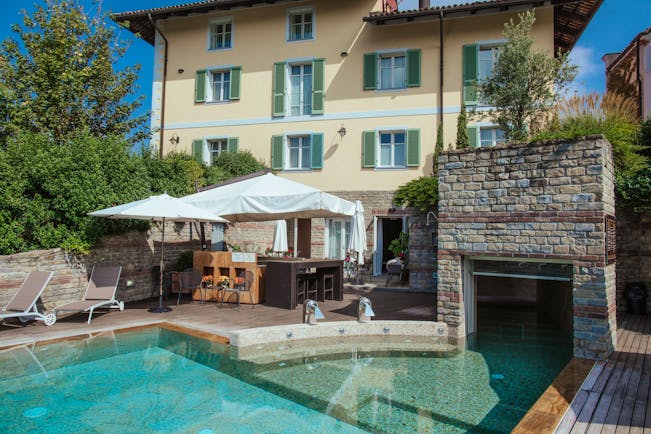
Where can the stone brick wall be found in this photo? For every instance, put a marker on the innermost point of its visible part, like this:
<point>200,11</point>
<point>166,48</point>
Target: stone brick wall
<point>532,201</point>
<point>633,253</point>
<point>137,253</point>
<point>423,247</point>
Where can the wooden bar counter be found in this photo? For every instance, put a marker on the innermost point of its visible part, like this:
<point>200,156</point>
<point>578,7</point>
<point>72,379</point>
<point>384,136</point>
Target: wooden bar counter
<point>282,274</point>
<point>230,264</point>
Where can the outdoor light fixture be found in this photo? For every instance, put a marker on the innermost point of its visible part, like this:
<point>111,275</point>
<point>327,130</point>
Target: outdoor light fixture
<point>342,131</point>
<point>174,140</point>
<point>181,70</point>
<point>344,54</point>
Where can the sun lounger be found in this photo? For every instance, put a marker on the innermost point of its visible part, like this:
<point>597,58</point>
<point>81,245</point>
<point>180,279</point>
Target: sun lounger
<point>100,292</point>
<point>23,304</point>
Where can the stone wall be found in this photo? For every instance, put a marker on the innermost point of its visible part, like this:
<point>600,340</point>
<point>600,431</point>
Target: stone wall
<point>532,202</point>
<point>633,253</point>
<point>137,253</point>
<point>423,247</point>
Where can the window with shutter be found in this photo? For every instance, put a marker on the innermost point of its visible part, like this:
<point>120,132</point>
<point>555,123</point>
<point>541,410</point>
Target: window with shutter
<point>318,86</point>
<point>277,152</point>
<point>473,139</point>
<point>370,71</point>
<point>197,150</point>
<point>278,103</point>
<point>470,73</point>
<point>368,149</point>
<point>200,86</point>
<point>220,34</point>
<point>317,151</point>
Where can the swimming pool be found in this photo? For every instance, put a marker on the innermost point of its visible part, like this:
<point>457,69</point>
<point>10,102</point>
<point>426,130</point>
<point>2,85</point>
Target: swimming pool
<point>161,380</point>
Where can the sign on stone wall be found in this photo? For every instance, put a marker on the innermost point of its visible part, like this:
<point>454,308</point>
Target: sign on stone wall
<point>611,239</point>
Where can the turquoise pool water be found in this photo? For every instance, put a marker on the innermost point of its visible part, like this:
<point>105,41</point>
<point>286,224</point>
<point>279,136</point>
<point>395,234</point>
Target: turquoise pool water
<point>159,380</point>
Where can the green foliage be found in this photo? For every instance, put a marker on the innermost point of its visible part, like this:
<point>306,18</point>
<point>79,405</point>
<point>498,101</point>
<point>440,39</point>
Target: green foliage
<point>462,129</point>
<point>634,192</point>
<point>645,137</point>
<point>59,77</point>
<point>525,84</point>
<point>437,149</point>
<point>613,116</point>
<point>184,261</point>
<point>234,164</point>
<point>421,193</point>
<point>400,247</point>
<point>48,187</point>
<point>177,174</point>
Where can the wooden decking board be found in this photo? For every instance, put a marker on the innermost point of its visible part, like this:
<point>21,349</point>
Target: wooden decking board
<point>639,404</point>
<point>622,413</point>
<point>618,401</point>
<point>601,411</point>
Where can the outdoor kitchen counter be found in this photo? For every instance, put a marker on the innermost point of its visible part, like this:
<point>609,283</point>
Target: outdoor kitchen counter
<point>281,279</point>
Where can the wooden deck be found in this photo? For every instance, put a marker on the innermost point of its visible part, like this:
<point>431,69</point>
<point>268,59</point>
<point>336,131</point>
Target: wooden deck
<point>615,396</point>
<point>211,318</point>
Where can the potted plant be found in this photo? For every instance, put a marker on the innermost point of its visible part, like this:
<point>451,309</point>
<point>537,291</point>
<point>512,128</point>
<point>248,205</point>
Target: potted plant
<point>400,249</point>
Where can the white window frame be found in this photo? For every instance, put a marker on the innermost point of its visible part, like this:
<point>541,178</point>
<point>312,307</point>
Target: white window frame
<point>300,11</point>
<point>206,154</point>
<point>378,147</point>
<point>288,87</point>
<point>210,97</point>
<point>302,135</point>
<point>487,126</point>
<point>346,229</point>
<point>390,54</point>
<point>218,21</point>
<point>222,141</point>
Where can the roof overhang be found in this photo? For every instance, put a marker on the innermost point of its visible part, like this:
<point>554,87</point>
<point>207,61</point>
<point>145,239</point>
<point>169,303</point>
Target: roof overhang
<point>140,21</point>
<point>570,16</point>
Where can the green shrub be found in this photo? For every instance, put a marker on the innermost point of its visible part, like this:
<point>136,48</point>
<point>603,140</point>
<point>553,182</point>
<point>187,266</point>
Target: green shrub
<point>613,116</point>
<point>421,193</point>
<point>48,187</point>
<point>176,174</point>
<point>184,261</point>
<point>235,164</point>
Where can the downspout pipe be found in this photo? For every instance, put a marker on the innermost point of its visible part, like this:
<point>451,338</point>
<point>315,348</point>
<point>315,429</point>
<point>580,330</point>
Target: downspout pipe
<point>162,108</point>
<point>638,68</point>
<point>441,57</point>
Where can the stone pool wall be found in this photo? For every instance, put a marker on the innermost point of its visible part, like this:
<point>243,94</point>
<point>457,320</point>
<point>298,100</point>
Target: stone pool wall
<point>544,201</point>
<point>138,254</point>
<point>633,253</point>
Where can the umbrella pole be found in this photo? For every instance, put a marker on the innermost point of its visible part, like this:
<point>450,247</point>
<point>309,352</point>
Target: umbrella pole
<point>160,308</point>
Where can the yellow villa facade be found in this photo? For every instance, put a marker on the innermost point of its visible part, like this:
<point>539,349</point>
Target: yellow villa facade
<point>345,96</point>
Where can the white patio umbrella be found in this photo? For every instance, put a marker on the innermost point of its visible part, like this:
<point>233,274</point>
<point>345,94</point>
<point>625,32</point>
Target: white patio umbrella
<point>358,233</point>
<point>280,236</point>
<point>159,209</point>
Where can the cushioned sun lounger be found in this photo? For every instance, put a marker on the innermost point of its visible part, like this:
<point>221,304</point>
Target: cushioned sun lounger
<point>23,303</point>
<point>100,292</point>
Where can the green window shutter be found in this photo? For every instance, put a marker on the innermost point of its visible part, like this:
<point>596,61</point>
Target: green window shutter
<point>232,144</point>
<point>370,71</point>
<point>368,149</point>
<point>413,148</point>
<point>200,86</point>
<point>277,152</point>
<point>473,140</point>
<point>318,86</point>
<point>236,82</point>
<point>279,89</point>
<point>413,68</point>
<point>317,151</point>
<point>197,150</point>
<point>470,73</point>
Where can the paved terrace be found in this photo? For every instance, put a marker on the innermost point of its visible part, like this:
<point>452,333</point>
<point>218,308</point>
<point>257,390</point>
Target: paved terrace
<point>211,318</point>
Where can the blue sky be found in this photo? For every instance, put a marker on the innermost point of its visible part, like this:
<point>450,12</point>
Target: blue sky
<point>616,23</point>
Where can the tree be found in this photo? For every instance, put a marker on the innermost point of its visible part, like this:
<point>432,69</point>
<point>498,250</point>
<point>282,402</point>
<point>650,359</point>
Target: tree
<point>462,129</point>
<point>525,84</point>
<point>58,76</point>
<point>437,150</point>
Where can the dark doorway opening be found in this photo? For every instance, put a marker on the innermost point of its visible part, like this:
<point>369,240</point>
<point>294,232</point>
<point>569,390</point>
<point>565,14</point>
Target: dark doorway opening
<point>391,229</point>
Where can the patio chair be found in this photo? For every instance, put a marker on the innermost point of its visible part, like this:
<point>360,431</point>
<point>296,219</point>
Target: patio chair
<point>100,292</point>
<point>188,280</point>
<point>23,304</point>
<point>243,283</point>
<point>394,268</point>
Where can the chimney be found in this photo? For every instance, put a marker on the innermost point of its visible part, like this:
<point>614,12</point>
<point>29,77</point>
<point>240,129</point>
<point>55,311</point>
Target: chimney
<point>423,4</point>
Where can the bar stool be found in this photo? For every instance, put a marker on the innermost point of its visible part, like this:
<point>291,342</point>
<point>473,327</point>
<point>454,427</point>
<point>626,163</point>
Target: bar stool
<point>312,286</point>
<point>301,288</point>
<point>328,286</point>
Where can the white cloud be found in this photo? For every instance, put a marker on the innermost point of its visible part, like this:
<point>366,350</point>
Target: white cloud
<point>590,69</point>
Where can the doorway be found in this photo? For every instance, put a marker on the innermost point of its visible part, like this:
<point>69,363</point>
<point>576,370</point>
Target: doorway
<point>387,229</point>
<point>517,296</point>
